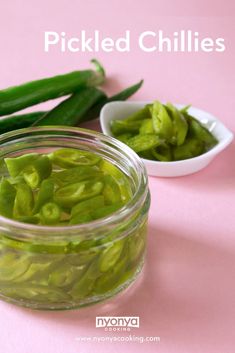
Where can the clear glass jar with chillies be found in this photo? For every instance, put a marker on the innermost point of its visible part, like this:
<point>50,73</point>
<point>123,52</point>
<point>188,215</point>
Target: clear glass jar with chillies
<point>73,217</point>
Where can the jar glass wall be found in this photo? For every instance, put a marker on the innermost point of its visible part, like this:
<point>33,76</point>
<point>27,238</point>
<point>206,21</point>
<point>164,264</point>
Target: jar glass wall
<point>48,267</point>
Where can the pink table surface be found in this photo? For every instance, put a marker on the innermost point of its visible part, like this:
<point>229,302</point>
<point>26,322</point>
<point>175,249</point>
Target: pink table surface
<point>186,293</point>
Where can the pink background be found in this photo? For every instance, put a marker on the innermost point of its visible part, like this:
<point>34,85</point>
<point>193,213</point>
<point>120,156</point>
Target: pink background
<point>186,294</point>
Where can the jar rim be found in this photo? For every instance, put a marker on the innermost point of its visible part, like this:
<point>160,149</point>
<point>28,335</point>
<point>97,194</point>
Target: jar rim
<point>29,231</point>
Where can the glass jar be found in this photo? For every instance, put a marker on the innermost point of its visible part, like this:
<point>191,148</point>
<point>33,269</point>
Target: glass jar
<point>48,267</point>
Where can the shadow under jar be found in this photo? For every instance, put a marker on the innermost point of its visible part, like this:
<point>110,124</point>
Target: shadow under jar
<point>66,267</point>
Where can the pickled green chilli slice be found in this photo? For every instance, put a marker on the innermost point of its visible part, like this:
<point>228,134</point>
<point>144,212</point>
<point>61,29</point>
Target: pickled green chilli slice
<point>23,201</point>
<point>7,197</point>
<point>64,188</point>
<point>68,157</point>
<point>70,195</point>
<point>163,133</point>
<point>44,280</point>
<point>50,213</point>
<point>39,170</point>
<point>48,188</point>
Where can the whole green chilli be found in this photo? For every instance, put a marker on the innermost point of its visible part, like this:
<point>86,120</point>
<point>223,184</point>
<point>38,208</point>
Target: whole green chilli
<point>15,122</point>
<point>17,98</point>
<point>79,110</point>
<point>72,110</point>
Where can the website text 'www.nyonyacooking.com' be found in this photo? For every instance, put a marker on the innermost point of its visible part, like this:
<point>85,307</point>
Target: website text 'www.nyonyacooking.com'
<point>111,339</point>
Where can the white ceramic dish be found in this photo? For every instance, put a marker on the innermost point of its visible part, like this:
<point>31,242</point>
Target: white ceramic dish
<point>121,110</point>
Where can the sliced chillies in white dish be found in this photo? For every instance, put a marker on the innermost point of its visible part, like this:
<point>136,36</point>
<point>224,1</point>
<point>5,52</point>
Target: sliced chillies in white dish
<point>180,150</point>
